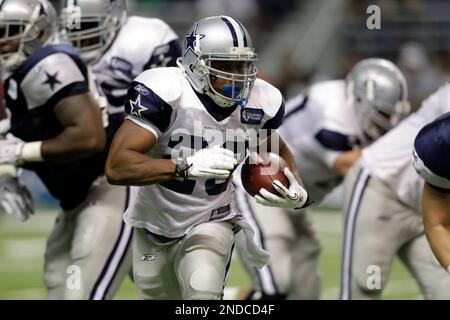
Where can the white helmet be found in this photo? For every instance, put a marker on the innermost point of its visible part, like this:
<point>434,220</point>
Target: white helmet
<point>28,23</point>
<point>379,94</point>
<point>219,40</point>
<point>91,25</point>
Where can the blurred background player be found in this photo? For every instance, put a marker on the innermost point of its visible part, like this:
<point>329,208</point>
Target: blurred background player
<point>326,126</point>
<point>57,132</point>
<point>176,145</point>
<point>430,159</point>
<point>117,47</point>
<point>383,217</point>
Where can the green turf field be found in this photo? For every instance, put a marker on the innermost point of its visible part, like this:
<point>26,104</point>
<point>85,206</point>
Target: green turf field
<point>22,248</point>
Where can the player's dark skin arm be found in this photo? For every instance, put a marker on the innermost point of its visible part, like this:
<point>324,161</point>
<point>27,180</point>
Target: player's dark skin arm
<point>346,160</point>
<point>127,162</point>
<point>436,219</point>
<point>2,109</point>
<point>83,133</point>
<point>285,153</point>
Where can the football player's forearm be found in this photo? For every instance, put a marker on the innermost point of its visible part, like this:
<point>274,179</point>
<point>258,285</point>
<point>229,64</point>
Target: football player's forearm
<point>72,144</point>
<point>439,239</point>
<point>436,217</point>
<point>346,160</point>
<point>137,169</point>
<point>287,156</point>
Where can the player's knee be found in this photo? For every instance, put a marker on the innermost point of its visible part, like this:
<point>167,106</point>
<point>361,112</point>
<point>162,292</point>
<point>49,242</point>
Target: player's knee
<point>369,286</point>
<point>205,283</point>
<point>149,287</point>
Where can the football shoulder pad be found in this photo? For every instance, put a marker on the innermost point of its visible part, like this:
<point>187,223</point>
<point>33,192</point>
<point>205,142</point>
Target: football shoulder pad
<point>268,98</point>
<point>153,95</point>
<point>432,151</point>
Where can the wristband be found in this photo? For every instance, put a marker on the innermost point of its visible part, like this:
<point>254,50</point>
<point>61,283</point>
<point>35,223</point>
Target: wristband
<point>8,169</point>
<point>31,152</point>
<point>307,202</point>
<point>182,168</point>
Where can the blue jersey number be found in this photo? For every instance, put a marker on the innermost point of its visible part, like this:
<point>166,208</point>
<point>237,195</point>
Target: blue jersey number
<point>213,187</point>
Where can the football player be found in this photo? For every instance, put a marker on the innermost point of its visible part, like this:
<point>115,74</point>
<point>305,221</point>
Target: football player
<point>326,126</point>
<point>383,213</point>
<point>187,129</point>
<point>430,158</point>
<point>118,48</point>
<point>57,131</point>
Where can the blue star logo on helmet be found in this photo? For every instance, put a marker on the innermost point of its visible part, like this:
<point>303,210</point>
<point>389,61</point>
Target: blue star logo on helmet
<point>191,39</point>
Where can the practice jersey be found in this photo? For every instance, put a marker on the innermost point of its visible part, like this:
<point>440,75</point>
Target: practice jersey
<point>389,158</point>
<point>51,74</point>
<point>142,43</point>
<point>318,126</point>
<point>432,153</point>
<point>162,101</point>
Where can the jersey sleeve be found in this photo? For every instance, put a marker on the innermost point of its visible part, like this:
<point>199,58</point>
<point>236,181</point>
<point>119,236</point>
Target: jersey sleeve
<point>308,144</point>
<point>276,120</point>
<point>54,78</point>
<point>164,55</point>
<point>432,151</point>
<point>151,99</point>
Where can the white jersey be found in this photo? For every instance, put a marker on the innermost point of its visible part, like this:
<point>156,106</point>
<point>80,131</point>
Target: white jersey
<point>162,101</point>
<point>318,126</point>
<point>142,43</point>
<point>390,157</point>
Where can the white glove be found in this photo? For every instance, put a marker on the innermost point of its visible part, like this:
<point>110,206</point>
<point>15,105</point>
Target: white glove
<point>15,198</point>
<point>214,163</point>
<point>11,150</point>
<point>294,197</point>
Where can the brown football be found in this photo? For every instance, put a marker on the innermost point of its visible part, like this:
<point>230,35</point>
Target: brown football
<point>260,170</point>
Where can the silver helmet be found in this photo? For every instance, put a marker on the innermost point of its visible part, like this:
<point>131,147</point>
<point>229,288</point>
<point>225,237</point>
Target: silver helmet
<point>379,94</point>
<point>91,25</point>
<point>25,26</point>
<point>220,48</point>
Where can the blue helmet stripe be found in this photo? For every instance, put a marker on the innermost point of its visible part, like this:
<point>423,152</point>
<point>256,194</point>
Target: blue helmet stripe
<point>233,32</point>
<point>243,33</point>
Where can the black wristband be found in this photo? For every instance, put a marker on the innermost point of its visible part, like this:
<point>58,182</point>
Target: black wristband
<point>307,203</point>
<point>182,168</point>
